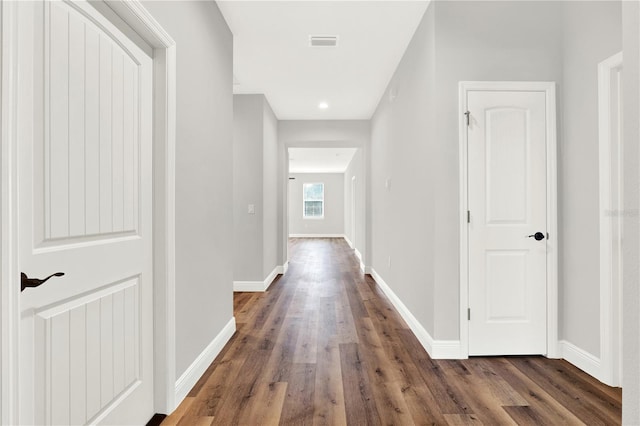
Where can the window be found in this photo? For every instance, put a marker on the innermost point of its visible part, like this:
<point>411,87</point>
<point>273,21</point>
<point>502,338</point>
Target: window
<point>313,200</point>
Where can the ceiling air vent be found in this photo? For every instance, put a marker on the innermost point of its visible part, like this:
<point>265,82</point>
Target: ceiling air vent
<point>323,41</point>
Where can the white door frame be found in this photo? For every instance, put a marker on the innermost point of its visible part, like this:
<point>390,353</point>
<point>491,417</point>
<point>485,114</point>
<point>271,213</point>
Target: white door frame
<point>352,209</point>
<point>164,111</point>
<point>549,88</point>
<point>10,320</point>
<point>610,291</point>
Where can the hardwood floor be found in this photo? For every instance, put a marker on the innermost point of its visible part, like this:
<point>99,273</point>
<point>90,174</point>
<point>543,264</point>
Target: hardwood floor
<point>324,346</point>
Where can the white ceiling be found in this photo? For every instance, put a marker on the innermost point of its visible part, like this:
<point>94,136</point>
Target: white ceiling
<point>320,160</point>
<point>272,54</point>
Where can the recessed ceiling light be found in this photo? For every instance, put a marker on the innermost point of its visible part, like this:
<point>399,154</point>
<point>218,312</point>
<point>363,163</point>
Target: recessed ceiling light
<point>323,105</point>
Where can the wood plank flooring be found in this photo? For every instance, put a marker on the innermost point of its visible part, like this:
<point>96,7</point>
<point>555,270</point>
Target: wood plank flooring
<point>324,346</point>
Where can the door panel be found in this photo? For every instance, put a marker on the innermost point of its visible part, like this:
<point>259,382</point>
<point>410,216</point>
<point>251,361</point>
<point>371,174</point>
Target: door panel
<point>90,349</point>
<point>90,153</point>
<point>507,200</point>
<point>85,210</point>
<point>504,301</point>
<point>506,169</point>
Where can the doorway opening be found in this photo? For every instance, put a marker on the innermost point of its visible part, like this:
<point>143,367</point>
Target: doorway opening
<point>339,169</point>
<point>319,199</point>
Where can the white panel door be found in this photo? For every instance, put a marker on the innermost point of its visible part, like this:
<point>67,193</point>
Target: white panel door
<point>84,125</point>
<point>507,201</point>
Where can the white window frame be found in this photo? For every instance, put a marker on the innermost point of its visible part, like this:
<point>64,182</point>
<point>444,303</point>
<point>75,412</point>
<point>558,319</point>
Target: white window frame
<point>304,210</point>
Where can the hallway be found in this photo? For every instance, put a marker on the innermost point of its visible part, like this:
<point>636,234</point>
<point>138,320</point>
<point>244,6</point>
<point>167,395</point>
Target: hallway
<point>324,346</point>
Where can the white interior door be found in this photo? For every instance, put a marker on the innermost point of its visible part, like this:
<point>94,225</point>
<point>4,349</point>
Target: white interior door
<point>84,126</point>
<point>507,202</point>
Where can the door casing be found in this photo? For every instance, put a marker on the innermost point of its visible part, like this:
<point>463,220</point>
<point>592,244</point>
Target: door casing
<point>552,253</point>
<point>132,13</point>
<point>611,174</point>
<point>353,211</point>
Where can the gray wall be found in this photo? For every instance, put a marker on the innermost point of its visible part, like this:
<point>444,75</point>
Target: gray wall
<point>333,221</point>
<point>402,178</point>
<point>248,114</point>
<point>583,49</point>
<point>415,220</point>
<point>255,162</point>
<point>355,170</point>
<point>631,290</point>
<point>204,152</point>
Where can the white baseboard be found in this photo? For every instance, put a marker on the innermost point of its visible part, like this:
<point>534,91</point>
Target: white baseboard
<point>359,256</point>
<point>582,359</point>
<point>450,349</point>
<point>248,286</point>
<point>282,269</point>
<point>260,285</point>
<point>316,235</point>
<point>437,349</point>
<point>272,276</point>
<point>368,270</point>
<point>190,377</point>
<point>348,241</point>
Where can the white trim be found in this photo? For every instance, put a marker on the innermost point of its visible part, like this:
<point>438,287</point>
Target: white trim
<point>164,68</point>
<point>610,291</point>
<point>194,372</point>
<point>437,349</point>
<point>352,208</point>
<point>9,267</point>
<point>582,359</point>
<point>272,276</point>
<point>316,235</point>
<point>359,256</point>
<point>304,210</point>
<point>260,285</point>
<point>463,156</point>
<point>348,241</point>
<point>282,269</point>
<point>549,88</point>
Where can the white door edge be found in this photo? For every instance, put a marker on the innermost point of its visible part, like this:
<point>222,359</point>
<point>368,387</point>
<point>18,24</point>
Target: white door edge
<point>164,61</point>
<point>353,212</point>
<point>549,88</point>
<point>610,304</point>
<point>9,319</point>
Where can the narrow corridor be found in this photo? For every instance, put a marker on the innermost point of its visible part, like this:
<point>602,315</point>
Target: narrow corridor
<point>324,346</point>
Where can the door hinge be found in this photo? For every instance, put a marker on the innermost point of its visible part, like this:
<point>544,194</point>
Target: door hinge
<point>467,114</point>
<point>469,314</point>
<point>468,216</point>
